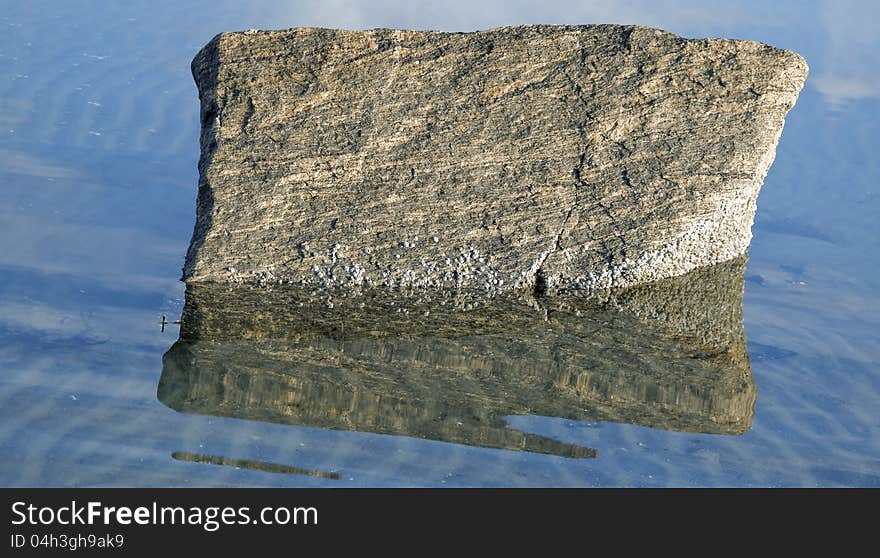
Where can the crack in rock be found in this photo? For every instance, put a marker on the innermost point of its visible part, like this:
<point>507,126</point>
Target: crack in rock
<point>425,148</point>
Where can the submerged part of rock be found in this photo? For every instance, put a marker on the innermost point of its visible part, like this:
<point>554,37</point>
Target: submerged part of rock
<point>538,156</point>
<point>450,367</point>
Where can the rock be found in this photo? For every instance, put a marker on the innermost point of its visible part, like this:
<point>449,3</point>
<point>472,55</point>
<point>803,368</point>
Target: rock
<point>449,366</point>
<point>527,157</point>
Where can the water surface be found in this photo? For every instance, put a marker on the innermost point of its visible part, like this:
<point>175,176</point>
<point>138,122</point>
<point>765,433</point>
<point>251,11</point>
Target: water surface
<point>98,151</point>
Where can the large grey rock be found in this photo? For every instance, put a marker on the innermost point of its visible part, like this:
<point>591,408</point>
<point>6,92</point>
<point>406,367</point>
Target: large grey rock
<point>536,156</point>
<point>450,367</point>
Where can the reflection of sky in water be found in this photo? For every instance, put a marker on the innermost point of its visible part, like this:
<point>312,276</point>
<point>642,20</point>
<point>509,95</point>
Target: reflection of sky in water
<point>98,120</point>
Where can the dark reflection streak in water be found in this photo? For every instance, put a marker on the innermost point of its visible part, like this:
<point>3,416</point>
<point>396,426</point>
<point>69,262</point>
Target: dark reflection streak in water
<point>449,367</point>
<point>263,466</point>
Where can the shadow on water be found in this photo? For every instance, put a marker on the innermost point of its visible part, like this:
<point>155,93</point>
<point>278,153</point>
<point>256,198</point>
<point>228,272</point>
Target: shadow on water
<point>448,366</point>
<point>263,466</point>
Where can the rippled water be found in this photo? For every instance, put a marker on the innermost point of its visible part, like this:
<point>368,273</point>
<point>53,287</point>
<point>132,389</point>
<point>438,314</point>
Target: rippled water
<point>99,128</point>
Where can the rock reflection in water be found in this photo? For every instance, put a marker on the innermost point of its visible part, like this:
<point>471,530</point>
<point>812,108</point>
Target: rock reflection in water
<point>450,366</point>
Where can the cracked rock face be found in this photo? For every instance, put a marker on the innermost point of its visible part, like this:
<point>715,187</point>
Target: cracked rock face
<point>530,157</point>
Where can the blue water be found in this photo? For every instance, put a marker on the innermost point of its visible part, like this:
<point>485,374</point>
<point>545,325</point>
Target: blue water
<point>98,151</point>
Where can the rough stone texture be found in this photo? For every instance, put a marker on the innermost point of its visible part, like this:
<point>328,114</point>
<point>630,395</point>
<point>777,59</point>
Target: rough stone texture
<point>669,355</point>
<point>537,156</point>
